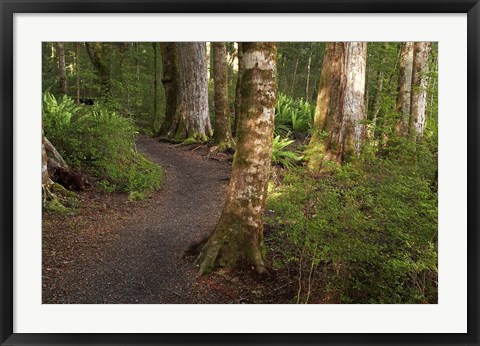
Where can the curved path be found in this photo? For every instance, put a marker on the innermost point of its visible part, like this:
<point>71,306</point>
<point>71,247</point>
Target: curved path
<point>140,260</point>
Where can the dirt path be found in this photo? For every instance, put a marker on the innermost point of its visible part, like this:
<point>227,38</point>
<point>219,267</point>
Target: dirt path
<point>122,252</point>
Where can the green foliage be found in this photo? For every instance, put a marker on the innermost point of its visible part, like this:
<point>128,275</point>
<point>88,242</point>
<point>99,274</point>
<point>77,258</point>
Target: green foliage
<point>100,142</point>
<point>292,115</point>
<point>364,232</point>
<point>282,156</point>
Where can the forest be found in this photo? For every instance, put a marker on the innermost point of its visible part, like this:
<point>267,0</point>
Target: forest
<point>240,172</point>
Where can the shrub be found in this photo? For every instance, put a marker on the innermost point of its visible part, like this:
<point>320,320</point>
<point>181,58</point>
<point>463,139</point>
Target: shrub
<point>362,233</point>
<point>100,142</point>
<point>292,115</point>
<point>282,156</point>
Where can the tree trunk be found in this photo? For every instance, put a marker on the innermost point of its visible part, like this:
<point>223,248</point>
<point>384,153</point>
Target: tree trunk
<point>309,64</point>
<point>404,88</point>
<point>94,50</point>
<point>292,87</point>
<point>238,236</point>
<point>46,181</point>
<point>194,85</point>
<point>62,69</point>
<point>238,96</point>
<point>339,132</point>
<point>418,101</point>
<point>223,133</point>
<point>155,85</point>
<point>77,70</point>
<point>171,84</point>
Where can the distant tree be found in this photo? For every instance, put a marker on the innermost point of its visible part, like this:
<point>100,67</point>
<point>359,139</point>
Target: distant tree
<point>421,51</point>
<point>62,69</point>
<point>194,84</point>
<point>171,84</point>
<point>238,96</point>
<point>238,236</point>
<point>404,88</point>
<point>339,131</point>
<point>155,84</point>
<point>223,132</point>
<point>95,53</point>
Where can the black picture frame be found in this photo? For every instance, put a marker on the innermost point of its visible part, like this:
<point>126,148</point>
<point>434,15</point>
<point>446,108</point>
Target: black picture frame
<point>9,7</point>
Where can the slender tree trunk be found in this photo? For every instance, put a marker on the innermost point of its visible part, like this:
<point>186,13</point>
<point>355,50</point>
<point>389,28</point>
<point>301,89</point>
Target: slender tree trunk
<point>62,69</point>
<point>418,101</point>
<point>238,237</point>
<point>194,85</point>
<point>46,181</point>
<point>223,133</point>
<point>404,88</point>
<point>309,64</point>
<point>292,87</point>
<point>155,84</point>
<point>171,84</point>
<point>238,96</point>
<point>339,132</point>
<point>77,70</point>
<point>94,50</point>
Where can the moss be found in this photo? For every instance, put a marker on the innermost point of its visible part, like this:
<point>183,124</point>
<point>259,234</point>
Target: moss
<point>59,189</point>
<point>55,206</point>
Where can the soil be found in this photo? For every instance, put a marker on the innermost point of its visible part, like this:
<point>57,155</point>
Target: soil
<point>113,251</point>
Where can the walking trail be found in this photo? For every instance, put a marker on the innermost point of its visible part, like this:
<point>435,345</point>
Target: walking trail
<point>115,251</point>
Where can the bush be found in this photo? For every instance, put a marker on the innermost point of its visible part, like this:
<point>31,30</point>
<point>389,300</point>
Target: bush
<point>292,115</point>
<point>280,155</point>
<point>99,142</point>
<point>361,233</point>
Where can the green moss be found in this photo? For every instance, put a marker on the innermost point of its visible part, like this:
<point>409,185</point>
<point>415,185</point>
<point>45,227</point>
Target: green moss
<point>55,206</point>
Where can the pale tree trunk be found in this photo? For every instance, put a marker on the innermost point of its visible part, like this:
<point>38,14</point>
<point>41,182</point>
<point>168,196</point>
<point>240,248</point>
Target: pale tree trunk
<point>238,96</point>
<point>309,64</point>
<point>223,132</point>
<point>418,101</point>
<point>94,50</point>
<point>62,68</point>
<point>404,88</point>
<point>339,131</point>
<point>46,181</point>
<point>238,237</point>
<point>171,84</point>
<point>194,84</point>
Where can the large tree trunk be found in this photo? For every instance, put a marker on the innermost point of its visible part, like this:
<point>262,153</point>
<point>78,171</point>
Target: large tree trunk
<point>62,68</point>
<point>173,92</point>
<point>94,50</point>
<point>194,84</point>
<point>238,237</point>
<point>223,132</point>
<point>418,103</point>
<point>339,131</point>
<point>404,88</point>
<point>238,96</point>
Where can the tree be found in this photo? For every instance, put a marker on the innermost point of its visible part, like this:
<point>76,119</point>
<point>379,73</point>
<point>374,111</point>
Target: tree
<point>155,84</point>
<point>194,84</point>
<point>338,129</point>
<point>404,88</point>
<point>95,50</point>
<point>418,101</point>
<point>238,236</point>
<point>62,69</point>
<point>171,84</point>
<point>238,96</point>
<point>223,132</point>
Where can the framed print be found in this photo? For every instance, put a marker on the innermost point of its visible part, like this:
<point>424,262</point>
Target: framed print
<point>260,172</point>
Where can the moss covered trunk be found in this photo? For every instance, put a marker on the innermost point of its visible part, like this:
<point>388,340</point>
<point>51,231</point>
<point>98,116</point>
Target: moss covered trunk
<point>223,132</point>
<point>339,132</point>
<point>418,102</point>
<point>170,81</point>
<point>238,237</point>
<point>404,88</point>
<point>194,84</point>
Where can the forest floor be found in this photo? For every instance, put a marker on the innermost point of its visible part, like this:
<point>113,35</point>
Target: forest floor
<point>111,250</point>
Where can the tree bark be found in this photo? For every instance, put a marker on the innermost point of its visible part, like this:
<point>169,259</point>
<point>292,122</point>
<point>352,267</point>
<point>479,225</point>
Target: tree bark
<point>339,132</point>
<point>194,85</point>
<point>404,88</point>
<point>171,84</point>
<point>418,101</point>
<point>155,84</point>
<point>62,69</point>
<point>94,50</point>
<point>46,181</point>
<point>238,96</point>
<point>223,132</point>
<point>309,64</point>
<point>77,70</point>
<point>238,237</point>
